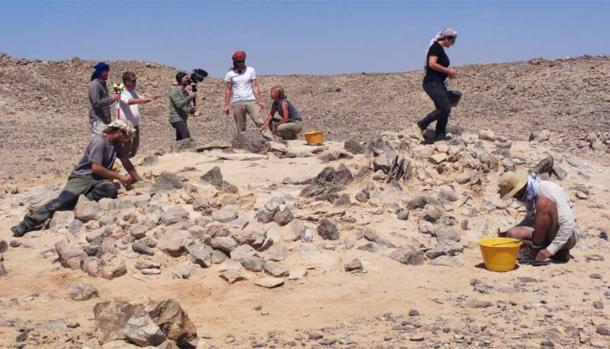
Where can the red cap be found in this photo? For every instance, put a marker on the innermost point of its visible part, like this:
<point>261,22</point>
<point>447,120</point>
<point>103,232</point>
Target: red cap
<point>239,55</point>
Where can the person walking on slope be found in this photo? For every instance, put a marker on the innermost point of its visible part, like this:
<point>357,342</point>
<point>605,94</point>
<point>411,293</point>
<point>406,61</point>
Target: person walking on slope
<point>128,108</point>
<point>241,93</point>
<point>437,70</point>
<point>289,125</point>
<point>549,227</point>
<point>99,99</point>
<point>181,105</point>
<point>93,177</point>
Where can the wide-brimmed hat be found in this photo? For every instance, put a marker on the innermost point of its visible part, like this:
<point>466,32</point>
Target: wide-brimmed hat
<point>511,182</point>
<point>124,125</point>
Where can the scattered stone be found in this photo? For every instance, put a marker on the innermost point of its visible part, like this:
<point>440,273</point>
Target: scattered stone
<point>277,253</point>
<point>142,331</point>
<point>295,230</point>
<point>70,256</point>
<point>446,233</point>
<point>167,181</point>
<point>417,203</point>
<point>86,209</point>
<point>142,248</point>
<point>402,214</point>
<point>445,248</point>
<point>225,214</point>
<point>112,266</point>
<point>408,256</point>
<point>598,305</point>
<point>478,304</point>
<point>213,177</point>
<point>174,322</point>
<point>545,166</point>
<point>232,276</point>
<point>201,254</point>
<point>253,263</point>
<point>328,230</point>
<point>269,282</point>
<point>487,135</point>
<point>603,330</point>
<point>413,312</point>
<point>225,244</point>
<point>276,269</point>
<point>17,243</point>
<point>355,265</point>
<point>363,196</point>
<point>448,261</point>
<point>173,242</point>
<point>111,318</point>
<point>250,141</point>
<point>3,246</point>
<point>174,215</point>
<point>81,291</point>
<point>353,147</point>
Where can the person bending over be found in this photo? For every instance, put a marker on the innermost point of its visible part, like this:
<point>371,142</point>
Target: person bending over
<point>93,177</point>
<point>181,106</point>
<point>550,227</point>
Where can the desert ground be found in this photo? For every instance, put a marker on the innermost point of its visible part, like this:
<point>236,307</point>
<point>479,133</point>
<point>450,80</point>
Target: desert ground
<point>237,242</point>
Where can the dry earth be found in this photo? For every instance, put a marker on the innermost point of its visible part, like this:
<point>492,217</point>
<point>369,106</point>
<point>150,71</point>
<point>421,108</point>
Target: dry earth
<point>415,278</point>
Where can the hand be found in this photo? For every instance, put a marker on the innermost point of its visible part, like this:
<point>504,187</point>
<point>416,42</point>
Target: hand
<point>262,105</point>
<point>154,98</point>
<point>125,180</point>
<point>116,97</point>
<point>227,110</point>
<point>451,73</point>
<point>543,254</point>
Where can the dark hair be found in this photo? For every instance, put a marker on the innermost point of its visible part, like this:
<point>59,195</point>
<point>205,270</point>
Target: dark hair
<point>180,76</point>
<point>128,76</point>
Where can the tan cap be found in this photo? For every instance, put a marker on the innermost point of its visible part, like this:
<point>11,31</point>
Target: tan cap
<point>124,125</point>
<point>511,182</point>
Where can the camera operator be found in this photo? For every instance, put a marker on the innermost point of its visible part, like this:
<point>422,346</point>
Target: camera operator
<point>181,105</point>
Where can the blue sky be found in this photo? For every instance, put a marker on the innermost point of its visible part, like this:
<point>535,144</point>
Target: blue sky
<point>299,36</point>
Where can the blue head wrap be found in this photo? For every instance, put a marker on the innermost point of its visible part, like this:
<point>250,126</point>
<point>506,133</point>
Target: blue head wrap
<point>99,68</point>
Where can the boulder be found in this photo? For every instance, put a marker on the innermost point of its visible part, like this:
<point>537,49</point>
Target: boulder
<point>70,256</point>
<point>353,147</point>
<point>213,177</point>
<point>545,165</point>
<point>174,215</point>
<point>295,230</point>
<point>328,230</point>
<point>82,291</point>
<point>250,141</point>
<point>242,252</point>
<point>86,209</point>
<point>173,242</point>
<point>225,214</point>
<point>275,269</point>
<point>225,244</point>
<point>142,331</point>
<point>167,181</point>
<point>112,266</point>
<point>61,219</point>
<point>175,323</point>
<point>111,318</point>
<point>200,254</point>
<point>253,263</point>
<point>408,256</point>
<point>447,234</point>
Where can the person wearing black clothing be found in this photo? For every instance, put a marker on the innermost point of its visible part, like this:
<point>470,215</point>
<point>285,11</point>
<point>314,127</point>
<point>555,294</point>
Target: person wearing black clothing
<point>437,70</point>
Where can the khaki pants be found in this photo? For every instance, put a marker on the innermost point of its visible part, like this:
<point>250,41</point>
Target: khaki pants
<point>289,130</point>
<point>240,109</point>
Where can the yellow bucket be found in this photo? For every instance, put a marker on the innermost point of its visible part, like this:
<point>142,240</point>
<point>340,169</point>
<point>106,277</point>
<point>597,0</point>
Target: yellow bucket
<point>314,137</point>
<point>500,254</point>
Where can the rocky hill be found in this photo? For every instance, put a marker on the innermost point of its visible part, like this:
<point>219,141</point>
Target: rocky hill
<point>44,104</point>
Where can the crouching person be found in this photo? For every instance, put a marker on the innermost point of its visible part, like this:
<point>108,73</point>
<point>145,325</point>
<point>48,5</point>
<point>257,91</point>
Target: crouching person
<point>549,227</point>
<point>289,125</point>
<point>93,177</point>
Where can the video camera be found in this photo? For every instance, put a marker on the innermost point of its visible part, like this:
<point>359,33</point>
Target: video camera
<point>197,76</point>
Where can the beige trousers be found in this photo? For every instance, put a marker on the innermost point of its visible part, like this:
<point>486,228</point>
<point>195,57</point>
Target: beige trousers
<point>240,109</point>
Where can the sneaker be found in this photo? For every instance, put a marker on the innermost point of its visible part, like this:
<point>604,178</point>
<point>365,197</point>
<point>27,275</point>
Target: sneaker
<point>19,230</point>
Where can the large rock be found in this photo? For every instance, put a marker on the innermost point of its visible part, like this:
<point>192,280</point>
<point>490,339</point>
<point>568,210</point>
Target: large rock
<point>112,266</point>
<point>545,165</point>
<point>174,215</point>
<point>201,254</point>
<point>111,318</point>
<point>143,331</point>
<point>275,210</point>
<point>173,242</point>
<point>408,256</point>
<point>82,291</point>
<point>61,219</point>
<point>487,135</point>
<point>250,141</point>
<point>295,230</point>
<point>328,230</point>
<point>225,244</point>
<point>167,181</point>
<point>70,256</point>
<point>175,323</point>
<point>86,209</point>
<point>447,234</point>
<point>276,269</point>
<point>242,252</point>
<point>213,177</point>
<point>449,248</point>
<point>225,214</point>
<point>353,147</point>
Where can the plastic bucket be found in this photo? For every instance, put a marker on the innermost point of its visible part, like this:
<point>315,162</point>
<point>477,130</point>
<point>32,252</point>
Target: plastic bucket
<point>314,137</point>
<point>500,254</point>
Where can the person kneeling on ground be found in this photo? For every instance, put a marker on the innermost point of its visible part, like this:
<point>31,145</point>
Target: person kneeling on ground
<point>93,177</point>
<point>549,227</point>
<point>181,105</point>
<point>289,125</point>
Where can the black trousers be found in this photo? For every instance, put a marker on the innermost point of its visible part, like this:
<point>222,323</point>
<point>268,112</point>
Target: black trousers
<point>438,93</point>
<point>182,130</point>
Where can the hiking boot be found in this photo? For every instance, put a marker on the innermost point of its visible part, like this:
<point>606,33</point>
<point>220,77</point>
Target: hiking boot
<point>19,230</point>
<point>562,256</point>
<point>421,126</point>
<point>440,137</point>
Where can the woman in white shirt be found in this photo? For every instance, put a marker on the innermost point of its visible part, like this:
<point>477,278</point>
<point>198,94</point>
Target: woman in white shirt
<point>241,93</point>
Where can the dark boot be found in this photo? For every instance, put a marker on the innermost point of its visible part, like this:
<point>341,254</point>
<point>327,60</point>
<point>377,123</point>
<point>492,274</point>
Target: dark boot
<point>562,256</point>
<point>20,229</point>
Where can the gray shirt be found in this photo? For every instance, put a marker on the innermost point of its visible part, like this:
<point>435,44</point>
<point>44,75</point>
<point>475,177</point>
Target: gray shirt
<point>293,113</point>
<point>99,102</point>
<point>101,152</point>
<point>180,105</point>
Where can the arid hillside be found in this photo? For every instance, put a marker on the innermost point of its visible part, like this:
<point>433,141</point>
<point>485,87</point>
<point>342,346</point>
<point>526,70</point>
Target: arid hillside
<point>44,104</point>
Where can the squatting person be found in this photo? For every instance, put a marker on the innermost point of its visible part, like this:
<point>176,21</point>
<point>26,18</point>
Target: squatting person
<point>241,93</point>
<point>549,227</point>
<point>99,99</point>
<point>437,70</point>
<point>289,125</point>
<point>93,177</point>
<point>181,105</point>
<point>128,108</point>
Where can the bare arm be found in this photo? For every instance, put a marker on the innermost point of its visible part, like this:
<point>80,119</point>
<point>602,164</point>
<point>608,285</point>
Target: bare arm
<point>102,171</point>
<point>130,168</point>
<point>270,115</point>
<point>142,100</point>
<point>257,94</point>
<point>228,95</point>
<point>285,112</point>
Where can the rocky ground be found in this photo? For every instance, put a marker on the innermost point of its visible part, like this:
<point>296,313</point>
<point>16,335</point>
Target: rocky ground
<point>44,106</point>
<point>356,244</point>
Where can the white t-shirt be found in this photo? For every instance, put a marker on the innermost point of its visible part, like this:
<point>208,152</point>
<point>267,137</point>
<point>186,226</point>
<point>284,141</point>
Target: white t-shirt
<point>126,111</point>
<point>242,84</point>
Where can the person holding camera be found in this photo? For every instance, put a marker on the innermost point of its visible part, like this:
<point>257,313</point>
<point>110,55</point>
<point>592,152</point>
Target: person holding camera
<point>128,108</point>
<point>437,70</point>
<point>241,93</point>
<point>181,105</point>
<point>99,99</point>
